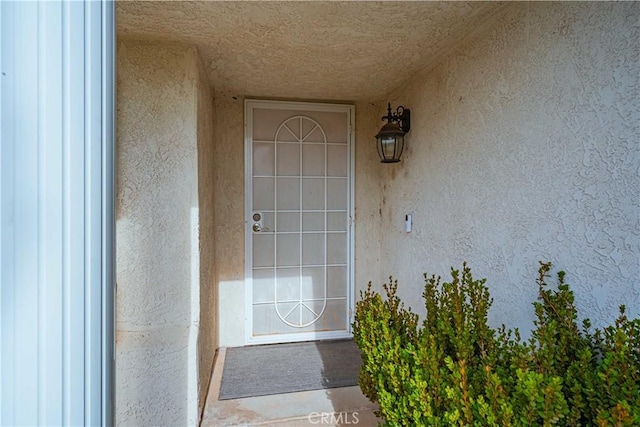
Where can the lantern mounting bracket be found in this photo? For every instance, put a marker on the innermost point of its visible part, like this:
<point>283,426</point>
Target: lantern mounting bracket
<point>402,116</point>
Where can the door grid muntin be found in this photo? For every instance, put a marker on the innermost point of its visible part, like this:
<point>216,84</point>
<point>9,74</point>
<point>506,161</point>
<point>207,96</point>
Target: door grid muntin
<point>301,304</point>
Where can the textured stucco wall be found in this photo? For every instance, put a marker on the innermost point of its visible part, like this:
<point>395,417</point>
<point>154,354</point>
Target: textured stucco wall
<point>293,49</point>
<point>158,265</point>
<point>229,217</point>
<point>524,147</point>
<point>208,334</point>
<point>368,198</point>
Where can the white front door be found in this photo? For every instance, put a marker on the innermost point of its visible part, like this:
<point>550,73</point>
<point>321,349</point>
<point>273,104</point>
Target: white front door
<point>298,220</point>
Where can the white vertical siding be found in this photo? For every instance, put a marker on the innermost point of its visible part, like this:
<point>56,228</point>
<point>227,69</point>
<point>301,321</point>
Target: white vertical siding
<point>56,216</point>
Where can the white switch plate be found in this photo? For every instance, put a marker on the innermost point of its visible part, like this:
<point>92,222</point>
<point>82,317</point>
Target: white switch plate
<point>407,223</point>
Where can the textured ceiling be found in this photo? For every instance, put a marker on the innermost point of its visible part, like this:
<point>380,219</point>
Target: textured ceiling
<point>311,49</point>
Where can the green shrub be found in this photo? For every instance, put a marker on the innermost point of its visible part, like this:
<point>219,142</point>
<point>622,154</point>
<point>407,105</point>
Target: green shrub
<point>455,369</point>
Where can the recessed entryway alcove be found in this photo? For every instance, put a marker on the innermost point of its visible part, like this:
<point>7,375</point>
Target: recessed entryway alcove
<point>503,163</point>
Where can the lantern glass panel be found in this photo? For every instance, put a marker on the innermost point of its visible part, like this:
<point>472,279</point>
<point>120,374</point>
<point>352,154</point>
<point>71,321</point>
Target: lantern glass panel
<point>399,146</point>
<point>388,144</point>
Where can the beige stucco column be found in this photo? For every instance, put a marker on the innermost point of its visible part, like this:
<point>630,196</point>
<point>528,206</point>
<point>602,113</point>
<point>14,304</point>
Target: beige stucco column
<point>165,302</point>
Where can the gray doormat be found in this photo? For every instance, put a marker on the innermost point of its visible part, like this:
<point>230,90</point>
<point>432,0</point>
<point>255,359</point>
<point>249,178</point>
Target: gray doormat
<point>287,368</point>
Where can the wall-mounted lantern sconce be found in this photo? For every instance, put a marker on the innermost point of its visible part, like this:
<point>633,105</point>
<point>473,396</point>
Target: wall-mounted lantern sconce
<point>390,139</point>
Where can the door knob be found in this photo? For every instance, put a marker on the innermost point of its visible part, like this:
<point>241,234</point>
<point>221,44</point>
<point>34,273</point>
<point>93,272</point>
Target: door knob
<point>257,221</point>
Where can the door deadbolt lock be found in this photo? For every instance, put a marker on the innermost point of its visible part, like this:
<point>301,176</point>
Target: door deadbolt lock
<point>257,221</point>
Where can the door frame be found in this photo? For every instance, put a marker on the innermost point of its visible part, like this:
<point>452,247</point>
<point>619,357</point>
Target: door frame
<point>57,220</point>
<point>249,105</point>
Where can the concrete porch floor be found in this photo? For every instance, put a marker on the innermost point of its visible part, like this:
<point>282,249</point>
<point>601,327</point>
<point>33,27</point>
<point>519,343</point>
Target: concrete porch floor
<point>345,406</point>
